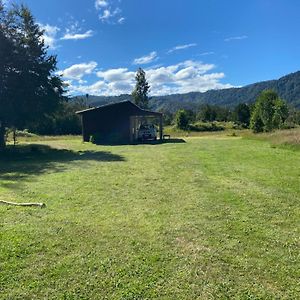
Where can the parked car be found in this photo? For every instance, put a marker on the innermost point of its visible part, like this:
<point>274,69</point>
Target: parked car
<point>147,132</point>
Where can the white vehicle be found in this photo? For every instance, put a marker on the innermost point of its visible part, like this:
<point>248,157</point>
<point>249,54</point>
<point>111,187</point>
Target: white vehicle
<point>147,132</point>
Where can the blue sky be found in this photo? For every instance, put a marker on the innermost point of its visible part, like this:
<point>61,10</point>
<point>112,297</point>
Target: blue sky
<point>184,45</point>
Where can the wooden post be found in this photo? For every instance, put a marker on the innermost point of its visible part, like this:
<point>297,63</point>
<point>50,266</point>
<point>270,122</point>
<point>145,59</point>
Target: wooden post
<point>84,139</point>
<point>14,136</point>
<point>2,136</point>
<point>161,127</point>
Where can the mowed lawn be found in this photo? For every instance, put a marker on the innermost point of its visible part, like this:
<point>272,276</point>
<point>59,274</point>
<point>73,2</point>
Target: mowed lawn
<point>216,217</point>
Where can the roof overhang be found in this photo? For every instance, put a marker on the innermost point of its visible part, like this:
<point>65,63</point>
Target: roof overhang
<point>141,110</point>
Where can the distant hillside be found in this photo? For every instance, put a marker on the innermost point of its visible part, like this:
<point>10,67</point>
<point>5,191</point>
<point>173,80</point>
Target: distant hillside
<point>288,87</point>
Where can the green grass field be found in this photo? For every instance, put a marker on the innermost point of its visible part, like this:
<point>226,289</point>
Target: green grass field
<point>216,217</point>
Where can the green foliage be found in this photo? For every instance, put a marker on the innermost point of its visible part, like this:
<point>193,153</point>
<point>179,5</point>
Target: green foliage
<point>293,118</point>
<point>168,119</point>
<point>30,89</point>
<point>256,123</point>
<point>242,114</point>
<point>206,126</point>
<point>191,115</point>
<point>210,113</point>
<point>63,121</point>
<point>182,119</point>
<point>269,113</point>
<point>141,90</point>
<point>207,113</point>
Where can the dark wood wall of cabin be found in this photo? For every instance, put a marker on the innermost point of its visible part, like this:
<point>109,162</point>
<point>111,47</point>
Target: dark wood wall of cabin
<point>111,123</point>
<point>108,126</point>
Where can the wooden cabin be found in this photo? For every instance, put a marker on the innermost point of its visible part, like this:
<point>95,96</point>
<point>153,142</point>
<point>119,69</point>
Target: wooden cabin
<point>117,123</point>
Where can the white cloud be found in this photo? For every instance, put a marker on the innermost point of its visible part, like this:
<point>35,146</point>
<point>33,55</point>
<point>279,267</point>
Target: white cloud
<point>98,88</point>
<point>50,33</point>
<point>121,20</point>
<point>100,4</point>
<point>206,53</point>
<point>74,31</point>
<point>120,74</point>
<point>146,59</point>
<point>236,38</point>
<point>105,15</point>
<point>77,36</point>
<point>109,12</point>
<point>184,77</point>
<point>182,47</point>
<point>77,71</point>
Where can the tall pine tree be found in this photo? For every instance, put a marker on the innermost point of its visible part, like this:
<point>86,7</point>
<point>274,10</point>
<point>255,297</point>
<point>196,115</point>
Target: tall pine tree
<point>30,89</point>
<point>141,90</point>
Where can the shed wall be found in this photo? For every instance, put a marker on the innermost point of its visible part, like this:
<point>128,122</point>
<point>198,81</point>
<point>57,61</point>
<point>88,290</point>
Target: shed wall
<point>108,127</point>
<point>111,123</point>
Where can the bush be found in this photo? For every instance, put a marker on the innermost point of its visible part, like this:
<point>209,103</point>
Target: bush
<point>270,112</point>
<point>256,124</point>
<point>206,126</point>
<point>182,119</point>
<point>24,133</point>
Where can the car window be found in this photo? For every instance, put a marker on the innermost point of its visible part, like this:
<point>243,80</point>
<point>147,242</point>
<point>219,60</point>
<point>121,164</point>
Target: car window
<point>147,127</point>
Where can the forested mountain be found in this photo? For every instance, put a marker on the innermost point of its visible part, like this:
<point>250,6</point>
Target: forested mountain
<point>288,88</point>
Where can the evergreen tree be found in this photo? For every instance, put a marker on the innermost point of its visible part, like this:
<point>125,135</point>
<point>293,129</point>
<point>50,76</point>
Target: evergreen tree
<point>29,87</point>
<point>141,90</point>
<point>8,55</point>
<point>241,114</point>
<point>207,113</point>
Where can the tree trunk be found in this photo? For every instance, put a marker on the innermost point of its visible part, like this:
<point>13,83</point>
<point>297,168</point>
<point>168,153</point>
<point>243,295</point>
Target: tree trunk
<point>2,137</point>
<point>14,136</point>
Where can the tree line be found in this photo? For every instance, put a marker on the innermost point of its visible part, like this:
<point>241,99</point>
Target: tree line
<point>33,96</point>
<point>269,112</point>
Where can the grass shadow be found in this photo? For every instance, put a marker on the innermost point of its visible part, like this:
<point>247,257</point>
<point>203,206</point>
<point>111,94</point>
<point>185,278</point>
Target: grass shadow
<point>147,142</point>
<point>173,141</point>
<point>22,161</point>
<point>164,141</point>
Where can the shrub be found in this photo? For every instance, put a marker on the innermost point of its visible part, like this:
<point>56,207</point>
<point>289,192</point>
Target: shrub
<point>206,126</point>
<point>181,119</point>
<point>270,112</point>
<point>256,124</point>
<point>24,133</point>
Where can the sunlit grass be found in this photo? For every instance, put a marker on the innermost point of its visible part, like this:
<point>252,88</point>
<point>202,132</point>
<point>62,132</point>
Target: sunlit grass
<point>216,217</point>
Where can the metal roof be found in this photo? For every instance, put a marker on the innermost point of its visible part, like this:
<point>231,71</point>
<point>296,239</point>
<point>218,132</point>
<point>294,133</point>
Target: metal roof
<point>117,104</point>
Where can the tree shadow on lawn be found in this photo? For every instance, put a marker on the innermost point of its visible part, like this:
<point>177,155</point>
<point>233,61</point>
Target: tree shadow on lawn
<point>165,141</point>
<point>22,161</point>
<point>146,142</point>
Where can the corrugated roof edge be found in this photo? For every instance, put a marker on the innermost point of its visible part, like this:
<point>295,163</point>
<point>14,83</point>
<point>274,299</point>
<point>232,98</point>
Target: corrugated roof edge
<point>116,103</point>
